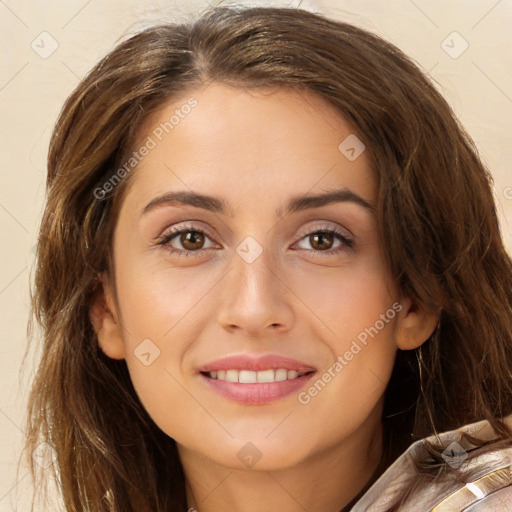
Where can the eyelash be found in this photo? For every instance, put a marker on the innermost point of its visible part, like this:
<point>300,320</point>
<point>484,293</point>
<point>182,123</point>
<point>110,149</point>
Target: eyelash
<point>347,243</point>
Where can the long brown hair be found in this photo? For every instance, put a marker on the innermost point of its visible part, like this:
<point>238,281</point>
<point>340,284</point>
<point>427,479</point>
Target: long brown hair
<point>436,218</point>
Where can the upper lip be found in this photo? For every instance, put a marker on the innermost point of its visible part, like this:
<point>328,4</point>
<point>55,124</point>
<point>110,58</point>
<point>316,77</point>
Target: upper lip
<point>256,363</point>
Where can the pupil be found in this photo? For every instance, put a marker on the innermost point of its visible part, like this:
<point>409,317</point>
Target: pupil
<point>192,240</point>
<point>318,238</point>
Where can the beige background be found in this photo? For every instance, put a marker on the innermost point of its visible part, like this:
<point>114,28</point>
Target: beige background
<point>34,84</point>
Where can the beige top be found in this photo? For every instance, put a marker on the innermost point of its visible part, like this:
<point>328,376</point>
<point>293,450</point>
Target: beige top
<point>488,488</point>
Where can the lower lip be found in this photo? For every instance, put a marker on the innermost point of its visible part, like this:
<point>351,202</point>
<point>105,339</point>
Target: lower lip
<point>257,393</point>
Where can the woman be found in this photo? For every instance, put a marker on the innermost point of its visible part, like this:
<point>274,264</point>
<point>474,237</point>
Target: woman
<point>269,262</point>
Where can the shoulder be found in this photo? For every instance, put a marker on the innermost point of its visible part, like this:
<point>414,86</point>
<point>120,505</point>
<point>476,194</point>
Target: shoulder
<point>486,482</point>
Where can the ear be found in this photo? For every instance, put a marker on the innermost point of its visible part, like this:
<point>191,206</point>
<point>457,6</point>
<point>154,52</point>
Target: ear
<point>415,325</point>
<point>105,320</point>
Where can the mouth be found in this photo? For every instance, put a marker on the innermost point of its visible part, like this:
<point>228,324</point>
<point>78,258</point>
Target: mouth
<point>256,381</point>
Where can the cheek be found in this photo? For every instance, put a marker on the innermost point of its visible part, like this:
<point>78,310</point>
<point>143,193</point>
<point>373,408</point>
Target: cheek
<point>155,299</point>
<point>346,300</point>
<point>350,388</point>
<point>162,317</point>
<point>348,395</point>
<point>357,312</point>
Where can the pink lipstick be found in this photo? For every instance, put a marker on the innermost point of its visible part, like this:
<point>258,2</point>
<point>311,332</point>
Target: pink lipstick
<point>256,380</point>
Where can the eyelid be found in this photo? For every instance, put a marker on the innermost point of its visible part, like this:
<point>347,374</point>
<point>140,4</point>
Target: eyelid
<point>325,227</point>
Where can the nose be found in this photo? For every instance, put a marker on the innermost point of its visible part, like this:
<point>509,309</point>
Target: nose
<point>255,297</point>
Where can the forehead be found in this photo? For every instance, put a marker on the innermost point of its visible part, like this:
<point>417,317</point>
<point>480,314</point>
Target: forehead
<point>250,143</point>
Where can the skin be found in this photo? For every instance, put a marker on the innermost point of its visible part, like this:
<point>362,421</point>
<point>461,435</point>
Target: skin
<point>256,149</point>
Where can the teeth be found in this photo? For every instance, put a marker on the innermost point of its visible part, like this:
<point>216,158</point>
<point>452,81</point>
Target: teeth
<point>247,377</point>
<point>251,377</point>
<point>281,374</point>
<point>232,375</point>
<point>265,376</point>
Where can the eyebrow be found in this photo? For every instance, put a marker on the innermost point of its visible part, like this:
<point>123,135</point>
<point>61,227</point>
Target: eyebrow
<point>218,205</point>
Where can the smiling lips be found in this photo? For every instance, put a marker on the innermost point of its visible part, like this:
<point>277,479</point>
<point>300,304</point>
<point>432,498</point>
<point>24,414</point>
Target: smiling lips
<point>256,381</point>
<point>251,377</point>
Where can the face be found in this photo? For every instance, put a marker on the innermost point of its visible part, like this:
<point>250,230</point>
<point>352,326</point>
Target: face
<point>253,302</point>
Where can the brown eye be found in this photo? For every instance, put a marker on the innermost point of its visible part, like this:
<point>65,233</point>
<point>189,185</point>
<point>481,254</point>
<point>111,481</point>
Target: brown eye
<point>192,240</point>
<point>325,242</point>
<point>186,241</point>
<point>321,241</point>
